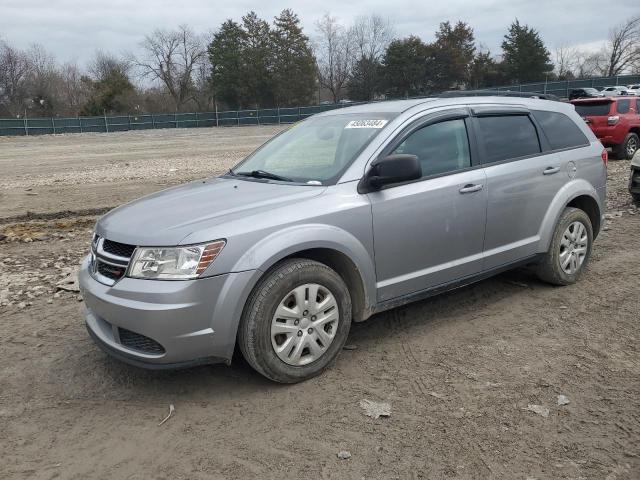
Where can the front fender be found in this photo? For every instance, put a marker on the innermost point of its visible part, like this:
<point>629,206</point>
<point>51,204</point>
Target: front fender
<point>284,243</point>
<point>565,195</point>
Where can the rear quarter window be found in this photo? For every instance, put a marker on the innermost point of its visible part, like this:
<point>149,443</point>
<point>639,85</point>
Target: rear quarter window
<point>560,130</point>
<point>507,137</point>
<point>623,106</point>
<point>593,109</point>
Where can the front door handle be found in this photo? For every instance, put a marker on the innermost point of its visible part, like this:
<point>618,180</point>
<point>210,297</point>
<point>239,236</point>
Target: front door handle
<point>470,188</point>
<point>551,170</point>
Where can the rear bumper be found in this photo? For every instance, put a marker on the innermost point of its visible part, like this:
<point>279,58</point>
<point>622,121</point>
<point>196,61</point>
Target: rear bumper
<point>186,322</point>
<point>610,136</point>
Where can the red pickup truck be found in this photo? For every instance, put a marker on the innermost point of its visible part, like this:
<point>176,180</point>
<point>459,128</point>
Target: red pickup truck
<point>615,121</point>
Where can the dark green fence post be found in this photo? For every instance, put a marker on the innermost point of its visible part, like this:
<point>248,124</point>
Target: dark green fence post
<point>197,121</point>
<point>153,121</point>
<point>129,116</point>
<point>238,116</point>
<point>80,123</point>
<point>175,119</point>
<point>53,124</point>
<point>278,115</point>
<point>26,124</point>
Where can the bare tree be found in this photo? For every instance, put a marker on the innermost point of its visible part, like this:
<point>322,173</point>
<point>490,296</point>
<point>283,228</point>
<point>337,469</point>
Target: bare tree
<point>622,51</point>
<point>14,74</point>
<point>172,58</point>
<point>566,61</point>
<point>371,36</point>
<point>42,80</point>
<point>105,64</point>
<point>72,91</point>
<point>333,55</point>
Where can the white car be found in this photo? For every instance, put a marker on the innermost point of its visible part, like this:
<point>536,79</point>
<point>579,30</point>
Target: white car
<point>614,91</point>
<point>634,89</point>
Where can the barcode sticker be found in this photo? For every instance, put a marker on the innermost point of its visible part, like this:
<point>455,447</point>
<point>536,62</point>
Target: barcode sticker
<point>366,124</point>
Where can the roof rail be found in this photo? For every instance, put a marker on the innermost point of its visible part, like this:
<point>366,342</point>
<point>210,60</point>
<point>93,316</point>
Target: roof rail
<point>496,93</point>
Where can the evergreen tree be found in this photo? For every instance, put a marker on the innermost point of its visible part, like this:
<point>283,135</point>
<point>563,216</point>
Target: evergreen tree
<point>365,80</point>
<point>226,57</point>
<point>257,59</point>
<point>454,51</point>
<point>484,71</point>
<point>108,94</point>
<point>525,58</point>
<point>405,66</point>
<point>294,68</point>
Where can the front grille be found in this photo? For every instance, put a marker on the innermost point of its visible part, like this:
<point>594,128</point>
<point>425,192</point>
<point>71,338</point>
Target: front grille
<point>110,260</point>
<point>139,342</point>
<point>120,249</point>
<point>110,271</point>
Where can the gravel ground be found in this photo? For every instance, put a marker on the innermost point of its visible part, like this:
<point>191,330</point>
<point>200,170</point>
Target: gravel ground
<point>54,173</point>
<point>476,381</point>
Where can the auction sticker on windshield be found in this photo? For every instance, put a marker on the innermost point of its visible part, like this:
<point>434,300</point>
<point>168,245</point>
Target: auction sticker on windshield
<point>366,124</point>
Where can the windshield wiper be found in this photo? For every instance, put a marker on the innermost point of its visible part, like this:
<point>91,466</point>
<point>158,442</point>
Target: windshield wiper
<point>264,174</point>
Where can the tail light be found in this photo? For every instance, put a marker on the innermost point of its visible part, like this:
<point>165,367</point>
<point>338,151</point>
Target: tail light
<point>612,120</point>
<point>605,157</point>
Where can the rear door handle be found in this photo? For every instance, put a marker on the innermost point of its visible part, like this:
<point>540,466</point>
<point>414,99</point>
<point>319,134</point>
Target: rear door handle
<point>551,170</point>
<point>470,188</point>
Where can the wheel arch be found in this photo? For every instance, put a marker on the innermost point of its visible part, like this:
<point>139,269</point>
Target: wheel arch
<point>590,206</point>
<point>349,273</point>
<point>335,247</point>
<point>578,194</point>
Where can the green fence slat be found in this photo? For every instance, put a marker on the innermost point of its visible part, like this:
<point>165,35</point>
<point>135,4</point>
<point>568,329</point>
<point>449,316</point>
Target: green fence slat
<point>265,116</point>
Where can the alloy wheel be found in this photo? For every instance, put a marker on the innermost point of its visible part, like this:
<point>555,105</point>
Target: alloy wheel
<point>632,146</point>
<point>573,248</point>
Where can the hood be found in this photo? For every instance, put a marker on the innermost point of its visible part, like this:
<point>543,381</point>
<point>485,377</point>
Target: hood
<point>165,218</point>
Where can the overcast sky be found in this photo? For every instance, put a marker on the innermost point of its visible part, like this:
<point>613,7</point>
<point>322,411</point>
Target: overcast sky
<point>73,30</point>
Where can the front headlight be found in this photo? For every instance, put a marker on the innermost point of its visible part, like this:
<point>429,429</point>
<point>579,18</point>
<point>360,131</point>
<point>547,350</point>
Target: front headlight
<point>174,263</point>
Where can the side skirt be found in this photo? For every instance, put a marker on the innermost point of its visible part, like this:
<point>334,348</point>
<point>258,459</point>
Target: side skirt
<point>454,285</point>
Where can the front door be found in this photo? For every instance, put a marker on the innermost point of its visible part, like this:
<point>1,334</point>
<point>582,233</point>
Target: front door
<point>431,231</point>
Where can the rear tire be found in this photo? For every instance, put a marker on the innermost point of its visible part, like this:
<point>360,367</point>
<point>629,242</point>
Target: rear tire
<point>628,148</point>
<point>295,298</point>
<point>570,249</point>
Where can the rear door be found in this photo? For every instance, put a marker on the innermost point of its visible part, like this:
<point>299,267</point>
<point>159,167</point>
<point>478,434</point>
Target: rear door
<point>430,232</point>
<point>521,181</point>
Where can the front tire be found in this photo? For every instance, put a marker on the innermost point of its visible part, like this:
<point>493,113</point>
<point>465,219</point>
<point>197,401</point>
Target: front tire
<point>296,321</point>
<point>570,249</point>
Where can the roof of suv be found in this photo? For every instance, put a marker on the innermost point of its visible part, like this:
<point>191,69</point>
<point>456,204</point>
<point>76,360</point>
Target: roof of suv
<point>611,98</point>
<point>399,106</point>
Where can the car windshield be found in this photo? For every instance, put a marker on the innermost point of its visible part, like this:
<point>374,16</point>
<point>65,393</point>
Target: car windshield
<point>315,151</point>
<point>591,109</point>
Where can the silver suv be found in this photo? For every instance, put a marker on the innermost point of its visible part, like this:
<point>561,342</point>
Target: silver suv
<point>345,214</point>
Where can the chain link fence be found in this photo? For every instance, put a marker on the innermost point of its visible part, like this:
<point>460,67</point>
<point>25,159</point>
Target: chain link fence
<point>121,123</point>
<point>562,88</point>
<point>267,116</point>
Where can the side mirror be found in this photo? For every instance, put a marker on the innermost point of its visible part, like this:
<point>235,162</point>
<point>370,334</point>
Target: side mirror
<point>391,169</point>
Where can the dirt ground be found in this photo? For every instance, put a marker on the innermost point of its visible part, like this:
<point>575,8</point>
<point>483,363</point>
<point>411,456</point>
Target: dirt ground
<point>462,372</point>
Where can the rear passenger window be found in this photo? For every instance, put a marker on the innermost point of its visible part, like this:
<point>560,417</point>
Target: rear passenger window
<point>560,130</point>
<point>441,148</point>
<point>506,137</point>
<point>623,106</point>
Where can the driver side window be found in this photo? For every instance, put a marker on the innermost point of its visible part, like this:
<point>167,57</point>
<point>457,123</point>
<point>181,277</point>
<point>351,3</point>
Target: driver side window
<point>441,147</point>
